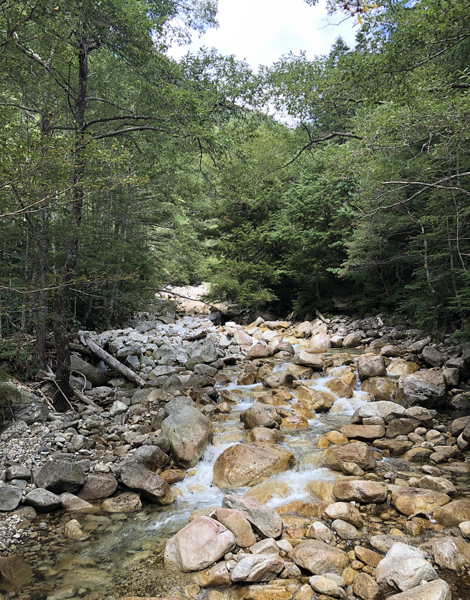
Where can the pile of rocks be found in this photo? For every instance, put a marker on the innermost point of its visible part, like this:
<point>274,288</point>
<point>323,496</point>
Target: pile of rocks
<point>244,542</point>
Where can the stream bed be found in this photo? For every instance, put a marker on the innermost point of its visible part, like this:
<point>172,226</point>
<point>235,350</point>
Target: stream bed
<point>122,554</point>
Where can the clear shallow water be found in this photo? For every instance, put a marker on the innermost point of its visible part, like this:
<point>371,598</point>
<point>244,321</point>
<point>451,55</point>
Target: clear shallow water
<point>118,546</point>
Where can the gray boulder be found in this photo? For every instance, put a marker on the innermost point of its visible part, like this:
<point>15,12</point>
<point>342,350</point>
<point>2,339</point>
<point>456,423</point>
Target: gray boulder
<point>61,476</point>
<point>205,351</point>
<point>137,477</point>
<point>42,500</point>
<point>189,433</point>
<point>152,457</point>
<point>402,569</point>
<point>425,388</point>
<point>10,497</point>
<point>94,375</point>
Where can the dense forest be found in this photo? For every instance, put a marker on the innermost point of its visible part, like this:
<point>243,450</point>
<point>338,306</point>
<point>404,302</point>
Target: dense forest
<point>339,182</point>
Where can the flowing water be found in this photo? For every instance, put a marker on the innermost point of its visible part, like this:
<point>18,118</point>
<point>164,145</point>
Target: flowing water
<point>122,554</point>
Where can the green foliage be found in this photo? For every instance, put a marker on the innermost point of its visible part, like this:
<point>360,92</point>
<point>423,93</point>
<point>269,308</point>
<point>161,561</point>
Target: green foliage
<point>17,357</point>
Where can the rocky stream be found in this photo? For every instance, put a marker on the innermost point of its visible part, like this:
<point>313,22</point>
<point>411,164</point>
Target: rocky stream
<point>272,461</point>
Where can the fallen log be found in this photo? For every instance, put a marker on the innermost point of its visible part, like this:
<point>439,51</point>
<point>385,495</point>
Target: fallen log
<point>110,360</point>
<point>84,399</point>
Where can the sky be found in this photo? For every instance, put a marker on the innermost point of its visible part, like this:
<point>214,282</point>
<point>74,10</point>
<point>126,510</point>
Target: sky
<point>261,31</point>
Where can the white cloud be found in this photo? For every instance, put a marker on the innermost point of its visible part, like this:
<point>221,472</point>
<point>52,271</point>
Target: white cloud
<point>263,30</point>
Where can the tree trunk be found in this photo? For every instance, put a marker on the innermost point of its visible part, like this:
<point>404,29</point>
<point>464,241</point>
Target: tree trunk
<point>62,300</point>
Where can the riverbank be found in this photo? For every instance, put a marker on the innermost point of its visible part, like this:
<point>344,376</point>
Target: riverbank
<point>298,383</point>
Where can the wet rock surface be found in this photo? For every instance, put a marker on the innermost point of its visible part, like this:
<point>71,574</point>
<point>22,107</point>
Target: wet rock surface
<point>375,467</point>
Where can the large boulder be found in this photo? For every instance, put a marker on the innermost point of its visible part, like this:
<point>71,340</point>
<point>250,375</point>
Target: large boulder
<point>359,490</point>
<point>248,464</point>
<point>189,433</point>
<point>94,375</point>
<point>403,568</point>
<point>425,388</point>
<point>198,545</point>
<point>448,552</point>
<point>150,485</point>
<point>453,513</point>
<point>260,415</point>
<point>318,557</point>
<point>358,453</point>
<point>61,476</point>
<point>262,517</point>
<point>370,366</point>
<point>410,501</point>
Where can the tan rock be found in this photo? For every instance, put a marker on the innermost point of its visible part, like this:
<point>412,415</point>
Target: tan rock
<point>263,492</point>
<point>238,524</point>
<point>395,447</point>
<point>262,517</point>
<point>299,371</point>
<point>269,591</point>
<point>126,502</point>
<point>402,367</point>
<point>336,437</point>
<point>369,557</point>
<point>73,531</point>
<point>380,388</point>
<point>363,432</point>
<point>249,464</point>
<point>318,558</point>
<point>358,453</point>
<point>339,387</point>
<point>321,489</point>
<point>263,434</point>
<point>320,342</point>
<point>366,588</point>
<point>370,365</point>
<point>260,415</point>
<point>301,409</point>
<point>417,454</point>
<point>360,491</point>
<point>216,576</point>
<point>259,351</point>
<point>410,501</point>
<point>294,423</point>
<point>303,509</point>
<point>344,511</point>
<point>172,475</point>
<point>308,358</point>
<point>453,513</point>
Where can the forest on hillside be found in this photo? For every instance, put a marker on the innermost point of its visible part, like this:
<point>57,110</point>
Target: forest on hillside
<point>339,182</point>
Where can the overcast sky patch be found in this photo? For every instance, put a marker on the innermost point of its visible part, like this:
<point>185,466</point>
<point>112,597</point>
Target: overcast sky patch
<point>261,31</point>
